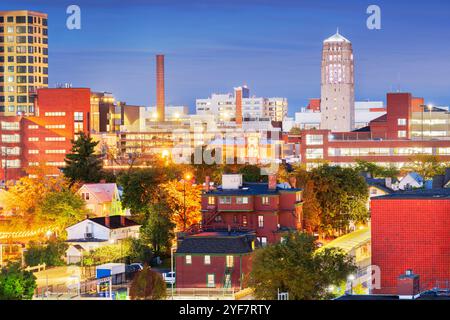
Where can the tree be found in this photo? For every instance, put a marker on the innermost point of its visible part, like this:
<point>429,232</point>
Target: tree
<point>27,195</point>
<point>312,211</point>
<point>82,163</point>
<point>251,173</point>
<point>295,130</point>
<point>148,285</point>
<point>16,284</point>
<point>294,266</point>
<point>50,253</point>
<point>341,193</point>
<point>376,171</point>
<point>157,230</point>
<point>184,201</point>
<point>61,209</point>
<point>427,166</point>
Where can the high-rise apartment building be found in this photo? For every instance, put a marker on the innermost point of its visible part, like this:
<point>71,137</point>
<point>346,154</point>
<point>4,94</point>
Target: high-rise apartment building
<point>240,106</point>
<point>23,60</point>
<point>338,85</point>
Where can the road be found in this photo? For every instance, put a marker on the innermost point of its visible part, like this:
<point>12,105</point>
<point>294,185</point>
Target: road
<point>64,275</point>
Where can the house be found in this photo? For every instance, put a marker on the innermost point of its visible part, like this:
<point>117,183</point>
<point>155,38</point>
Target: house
<point>93,233</point>
<point>102,199</point>
<point>378,187</point>
<point>214,260</point>
<point>412,180</point>
<point>237,217</point>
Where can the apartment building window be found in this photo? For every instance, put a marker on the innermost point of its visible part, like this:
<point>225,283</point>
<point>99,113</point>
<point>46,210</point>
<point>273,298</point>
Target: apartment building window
<point>55,138</point>
<point>55,126</point>
<point>33,151</point>
<point>78,127</point>
<point>207,260</point>
<point>10,125</point>
<point>56,164</point>
<point>211,200</point>
<point>260,221</point>
<point>225,200</point>
<point>78,116</point>
<point>10,138</point>
<point>55,114</point>
<point>33,126</point>
<point>10,151</point>
<point>11,163</point>
<point>33,164</point>
<point>210,280</point>
<point>402,134</point>
<point>265,201</point>
<point>402,122</point>
<point>31,139</point>
<point>188,259</point>
<point>58,151</point>
<point>230,261</point>
<point>314,153</point>
<point>314,139</point>
<point>241,200</point>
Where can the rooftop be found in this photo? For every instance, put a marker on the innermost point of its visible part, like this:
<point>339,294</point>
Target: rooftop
<point>252,189</point>
<point>432,194</point>
<point>337,38</point>
<point>114,222</point>
<point>217,243</point>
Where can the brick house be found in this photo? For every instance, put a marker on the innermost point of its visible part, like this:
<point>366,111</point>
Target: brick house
<point>237,217</point>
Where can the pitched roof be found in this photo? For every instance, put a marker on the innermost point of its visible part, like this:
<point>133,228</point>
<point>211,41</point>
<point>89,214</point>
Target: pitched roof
<point>216,244</point>
<point>432,194</point>
<point>104,192</point>
<point>337,38</point>
<point>114,222</point>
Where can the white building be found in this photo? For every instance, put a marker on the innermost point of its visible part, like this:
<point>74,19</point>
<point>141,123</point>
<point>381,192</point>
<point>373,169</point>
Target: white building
<point>93,233</point>
<point>172,113</point>
<point>223,107</point>
<point>365,111</point>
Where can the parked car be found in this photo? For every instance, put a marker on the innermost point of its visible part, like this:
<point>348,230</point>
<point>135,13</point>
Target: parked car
<point>169,277</point>
<point>134,267</point>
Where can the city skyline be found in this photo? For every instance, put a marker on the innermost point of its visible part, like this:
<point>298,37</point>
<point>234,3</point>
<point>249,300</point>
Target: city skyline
<point>117,56</point>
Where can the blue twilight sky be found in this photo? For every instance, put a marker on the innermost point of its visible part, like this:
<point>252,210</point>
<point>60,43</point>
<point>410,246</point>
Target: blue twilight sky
<point>273,46</point>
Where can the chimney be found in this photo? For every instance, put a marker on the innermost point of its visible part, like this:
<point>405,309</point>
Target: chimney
<point>238,96</point>
<point>107,221</point>
<point>272,182</point>
<point>388,182</point>
<point>293,182</point>
<point>122,221</point>
<point>160,99</point>
<point>408,286</point>
<point>207,183</point>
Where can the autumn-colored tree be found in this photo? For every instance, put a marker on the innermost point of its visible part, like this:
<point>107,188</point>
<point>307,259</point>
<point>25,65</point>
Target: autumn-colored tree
<point>28,193</point>
<point>184,200</point>
<point>311,208</point>
<point>148,285</point>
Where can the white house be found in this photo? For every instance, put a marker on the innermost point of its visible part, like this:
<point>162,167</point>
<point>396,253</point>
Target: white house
<point>92,233</point>
<point>412,180</point>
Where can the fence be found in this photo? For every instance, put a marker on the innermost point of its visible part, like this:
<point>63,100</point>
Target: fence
<point>39,267</point>
<point>201,293</point>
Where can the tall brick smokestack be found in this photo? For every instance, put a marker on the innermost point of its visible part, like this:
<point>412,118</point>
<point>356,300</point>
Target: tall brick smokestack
<point>160,99</point>
<point>238,96</point>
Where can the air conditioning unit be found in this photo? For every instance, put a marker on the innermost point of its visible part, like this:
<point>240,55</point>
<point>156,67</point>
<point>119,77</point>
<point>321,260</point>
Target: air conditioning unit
<point>88,235</point>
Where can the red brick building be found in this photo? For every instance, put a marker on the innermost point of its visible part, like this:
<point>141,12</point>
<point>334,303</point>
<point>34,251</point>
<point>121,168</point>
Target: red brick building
<point>236,218</point>
<point>410,231</point>
<point>44,137</point>
<point>409,128</point>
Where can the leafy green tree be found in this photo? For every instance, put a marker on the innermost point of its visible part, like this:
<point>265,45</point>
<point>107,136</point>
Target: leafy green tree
<point>82,163</point>
<point>427,166</point>
<point>139,251</point>
<point>16,284</point>
<point>295,130</point>
<point>157,231</point>
<point>296,267</point>
<point>148,285</point>
<point>61,209</point>
<point>50,253</point>
<point>251,173</point>
<point>375,170</point>
<point>341,193</point>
